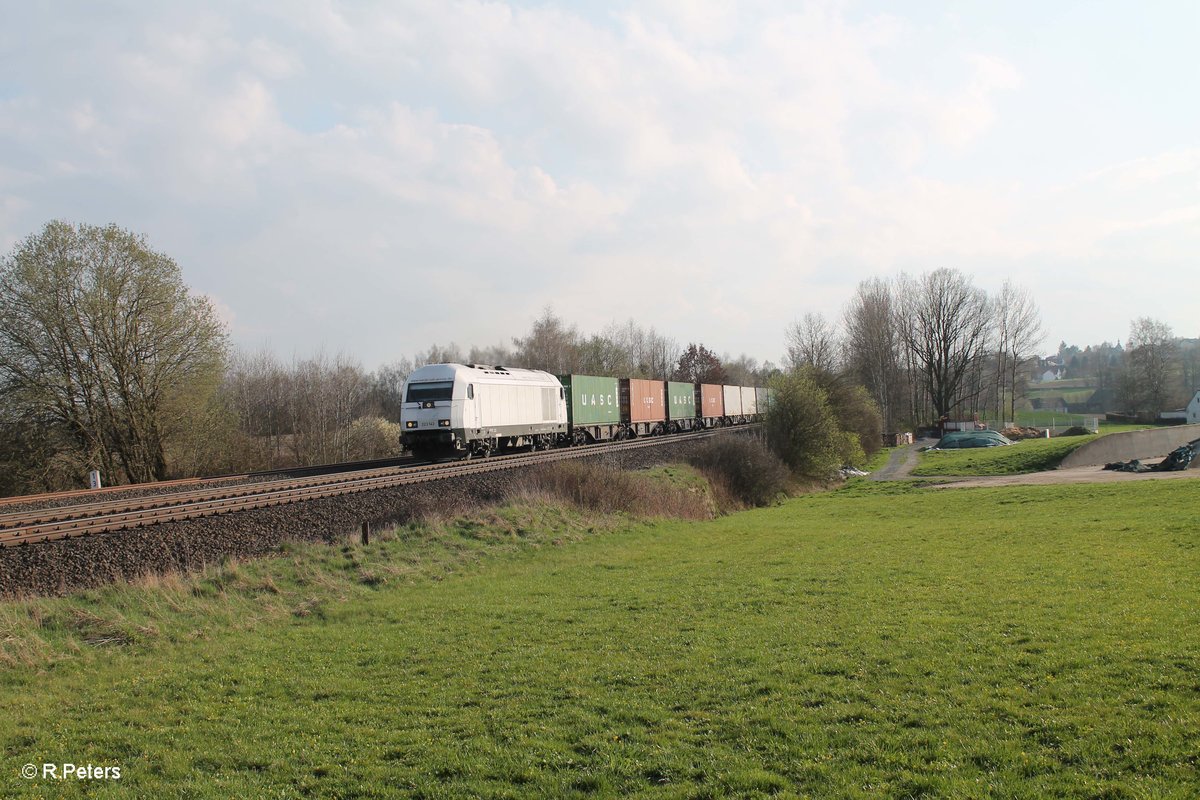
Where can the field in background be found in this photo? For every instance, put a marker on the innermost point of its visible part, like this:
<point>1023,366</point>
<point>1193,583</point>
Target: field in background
<point>877,640</point>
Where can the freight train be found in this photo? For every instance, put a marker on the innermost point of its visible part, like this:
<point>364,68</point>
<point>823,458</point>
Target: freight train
<point>469,410</point>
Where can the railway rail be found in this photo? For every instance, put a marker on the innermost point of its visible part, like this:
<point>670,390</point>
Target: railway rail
<point>27,527</point>
<point>291,472</point>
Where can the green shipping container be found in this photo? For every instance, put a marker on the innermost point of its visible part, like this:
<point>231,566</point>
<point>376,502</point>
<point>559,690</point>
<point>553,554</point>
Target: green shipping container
<point>681,400</point>
<point>591,400</point>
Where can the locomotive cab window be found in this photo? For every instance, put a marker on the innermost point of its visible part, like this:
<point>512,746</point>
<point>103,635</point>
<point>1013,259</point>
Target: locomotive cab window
<point>433,390</point>
<point>470,391</point>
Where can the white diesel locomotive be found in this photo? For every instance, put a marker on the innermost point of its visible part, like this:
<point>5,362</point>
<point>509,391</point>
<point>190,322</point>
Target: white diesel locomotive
<point>459,410</point>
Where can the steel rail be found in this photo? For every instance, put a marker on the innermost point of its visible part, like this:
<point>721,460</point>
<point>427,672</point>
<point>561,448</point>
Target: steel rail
<point>315,470</point>
<point>274,493</point>
<point>17,519</point>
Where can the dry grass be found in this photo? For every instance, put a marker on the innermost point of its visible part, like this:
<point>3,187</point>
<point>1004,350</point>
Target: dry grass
<point>743,471</point>
<point>670,492</point>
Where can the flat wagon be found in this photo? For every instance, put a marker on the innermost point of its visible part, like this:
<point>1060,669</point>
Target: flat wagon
<point>593,408</point>
<point>643,406</point>
<point>733,404</point>
<point>681,406</point>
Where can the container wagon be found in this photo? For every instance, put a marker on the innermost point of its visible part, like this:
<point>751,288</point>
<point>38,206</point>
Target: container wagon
<point>710,402</point>
<point>733,404</point>
<point>681,406</point>
<point>749,403</point>
<point>593,408</point>
<point>643,406</point>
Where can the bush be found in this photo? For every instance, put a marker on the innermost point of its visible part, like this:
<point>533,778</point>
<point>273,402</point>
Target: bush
<point>803,430</point>
<point>744,468</point>
<point>607,490</point>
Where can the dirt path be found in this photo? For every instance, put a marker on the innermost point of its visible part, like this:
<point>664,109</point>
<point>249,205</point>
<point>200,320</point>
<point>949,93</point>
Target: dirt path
<point>900,463</point>
<point>1073,475</point>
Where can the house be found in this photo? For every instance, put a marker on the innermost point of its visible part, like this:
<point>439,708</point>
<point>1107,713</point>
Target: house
<point>1190,415</point>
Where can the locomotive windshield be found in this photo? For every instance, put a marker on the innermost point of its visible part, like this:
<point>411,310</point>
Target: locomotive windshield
<point>433,390</point>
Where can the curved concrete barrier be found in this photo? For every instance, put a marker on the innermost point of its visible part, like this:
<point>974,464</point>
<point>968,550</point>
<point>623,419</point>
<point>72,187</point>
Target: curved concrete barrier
<point>1152,443</point>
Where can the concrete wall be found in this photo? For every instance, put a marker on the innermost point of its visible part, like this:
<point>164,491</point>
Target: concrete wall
<point>1153,443</point>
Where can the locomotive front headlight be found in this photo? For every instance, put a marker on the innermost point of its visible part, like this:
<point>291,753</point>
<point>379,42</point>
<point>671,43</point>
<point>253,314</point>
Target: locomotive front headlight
<point>443,423</point>
<point>412,423</point>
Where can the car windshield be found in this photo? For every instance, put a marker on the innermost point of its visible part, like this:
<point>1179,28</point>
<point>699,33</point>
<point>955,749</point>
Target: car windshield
<point>433,390</point>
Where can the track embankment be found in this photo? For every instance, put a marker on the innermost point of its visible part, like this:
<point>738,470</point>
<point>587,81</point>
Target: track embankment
<point>62,566</point>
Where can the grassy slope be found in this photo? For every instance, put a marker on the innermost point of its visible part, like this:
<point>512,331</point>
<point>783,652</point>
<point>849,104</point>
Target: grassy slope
<point>864,642</point>
<point>1029,455</point>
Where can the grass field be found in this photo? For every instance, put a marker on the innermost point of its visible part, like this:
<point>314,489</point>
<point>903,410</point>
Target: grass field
<point>1028,455</point>
<point>881,640</point>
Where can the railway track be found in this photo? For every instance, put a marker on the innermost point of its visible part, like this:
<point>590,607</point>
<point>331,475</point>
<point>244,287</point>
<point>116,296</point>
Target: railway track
<point>290,472</point>
<point>27,527</point>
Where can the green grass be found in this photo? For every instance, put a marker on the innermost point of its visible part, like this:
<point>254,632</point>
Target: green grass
<point>1046,419</point>
<point>879,641</point>
<point>1028,455</point>
<point>879,460</point>
<point>1069,396</point>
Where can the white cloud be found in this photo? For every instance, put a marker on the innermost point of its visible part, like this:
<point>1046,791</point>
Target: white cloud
<point>437,171</point>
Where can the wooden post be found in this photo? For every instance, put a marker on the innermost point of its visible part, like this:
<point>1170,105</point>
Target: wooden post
<point>366,533</point>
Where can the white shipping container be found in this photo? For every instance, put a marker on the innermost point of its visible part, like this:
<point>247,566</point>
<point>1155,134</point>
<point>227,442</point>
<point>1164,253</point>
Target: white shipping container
<point>749,402</point>
<point>733,401</point>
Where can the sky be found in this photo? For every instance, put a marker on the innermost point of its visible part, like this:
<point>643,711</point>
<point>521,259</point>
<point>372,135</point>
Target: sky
<point>371,178</point>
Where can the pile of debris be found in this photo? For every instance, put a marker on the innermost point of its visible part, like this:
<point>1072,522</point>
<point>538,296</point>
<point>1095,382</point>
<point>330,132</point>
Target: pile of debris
<point>1016,432</point>
<point>1178,459</point>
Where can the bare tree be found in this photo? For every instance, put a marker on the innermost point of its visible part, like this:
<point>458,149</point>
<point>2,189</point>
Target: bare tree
<point>387,387</point>
<point>944,326</point>
<point>1019,331</point>
<point>100,333</point>
<point>743,370</point>
<point>873,347</point>
<point>495,355</point>
<point>662,353</point>
<point>812,342</point>
<point>1151,364</point>
<point>438,354</point>
<point>551,345</point>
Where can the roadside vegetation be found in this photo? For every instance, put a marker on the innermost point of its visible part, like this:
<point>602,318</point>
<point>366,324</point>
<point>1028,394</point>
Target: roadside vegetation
<point>853,643</point>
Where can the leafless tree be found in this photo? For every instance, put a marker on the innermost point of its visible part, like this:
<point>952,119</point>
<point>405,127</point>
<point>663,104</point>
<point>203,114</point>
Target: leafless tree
<point>491,356</point>
<point>812,342</point>
<point>551,345</point>
<point>945,324</point>
<point>743,370</point>
<point>1151,363</point>
<point>1018,332</point>
<point>873,347</point>
<point>439,354</point>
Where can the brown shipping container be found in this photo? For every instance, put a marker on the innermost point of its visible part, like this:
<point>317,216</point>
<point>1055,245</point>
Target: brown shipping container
<point>712,400</point>
<point>647,400</point>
